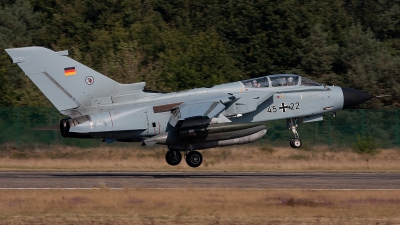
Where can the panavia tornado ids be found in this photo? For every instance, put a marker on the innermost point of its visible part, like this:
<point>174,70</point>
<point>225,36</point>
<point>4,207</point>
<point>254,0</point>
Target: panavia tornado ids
<point>201,118</point>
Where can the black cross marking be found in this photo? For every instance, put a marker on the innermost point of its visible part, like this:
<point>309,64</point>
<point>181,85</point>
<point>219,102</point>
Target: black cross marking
<point>283,107</point>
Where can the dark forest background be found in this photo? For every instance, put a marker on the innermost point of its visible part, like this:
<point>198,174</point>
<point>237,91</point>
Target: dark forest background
<point>182,44</point>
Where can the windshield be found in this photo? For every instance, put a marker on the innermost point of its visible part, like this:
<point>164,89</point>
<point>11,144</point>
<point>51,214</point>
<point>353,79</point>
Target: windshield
<point>308,82</point>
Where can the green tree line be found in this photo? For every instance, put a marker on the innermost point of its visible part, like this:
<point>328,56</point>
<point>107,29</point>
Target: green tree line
<point>181,44</point>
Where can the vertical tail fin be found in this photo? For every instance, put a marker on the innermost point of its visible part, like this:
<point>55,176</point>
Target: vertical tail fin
<point>67,83</point>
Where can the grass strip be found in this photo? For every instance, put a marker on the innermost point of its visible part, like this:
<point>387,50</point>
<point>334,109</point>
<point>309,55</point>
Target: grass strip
<point>198,206</point>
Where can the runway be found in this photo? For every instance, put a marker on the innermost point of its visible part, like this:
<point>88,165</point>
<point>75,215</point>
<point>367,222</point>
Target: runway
<point>259,180</point>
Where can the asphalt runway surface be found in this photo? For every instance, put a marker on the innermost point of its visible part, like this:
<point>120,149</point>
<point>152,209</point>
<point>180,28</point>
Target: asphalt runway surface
<point>259,180</point>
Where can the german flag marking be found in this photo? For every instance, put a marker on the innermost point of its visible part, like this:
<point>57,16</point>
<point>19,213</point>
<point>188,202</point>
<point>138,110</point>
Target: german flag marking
<point>69,71</point>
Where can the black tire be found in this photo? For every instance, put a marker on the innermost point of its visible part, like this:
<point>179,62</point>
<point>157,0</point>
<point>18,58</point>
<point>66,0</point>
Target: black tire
<point>291,143</point>
<point>194,159</point>
<point>173,158</point>
<point>295,143</point>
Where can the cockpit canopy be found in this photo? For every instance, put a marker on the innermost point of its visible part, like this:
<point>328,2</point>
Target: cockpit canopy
<point>279,80</point>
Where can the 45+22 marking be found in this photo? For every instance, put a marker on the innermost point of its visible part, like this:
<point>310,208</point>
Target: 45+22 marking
<point>283,107</point>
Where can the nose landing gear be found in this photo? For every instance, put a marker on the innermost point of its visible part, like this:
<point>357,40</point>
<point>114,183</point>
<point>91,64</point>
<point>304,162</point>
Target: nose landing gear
<point>294,142</point>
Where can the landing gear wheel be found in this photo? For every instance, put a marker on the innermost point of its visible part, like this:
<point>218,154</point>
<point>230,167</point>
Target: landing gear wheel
<point>291,142</point>
<point>194,159</point>
<point>295,143</point>
<point>173,157</point>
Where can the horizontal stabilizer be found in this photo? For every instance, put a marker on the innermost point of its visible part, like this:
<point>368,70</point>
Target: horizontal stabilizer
<point>155,139</point>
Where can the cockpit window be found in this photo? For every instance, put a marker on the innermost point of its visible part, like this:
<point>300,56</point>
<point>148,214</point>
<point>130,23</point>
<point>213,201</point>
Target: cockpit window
<point>256,82</point>
<point>279,80</point>
<point>284,80</point>
<point>308,82</point>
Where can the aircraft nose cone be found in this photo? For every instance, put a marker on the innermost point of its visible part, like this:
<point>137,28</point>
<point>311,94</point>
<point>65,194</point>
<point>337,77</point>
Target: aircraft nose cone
<point>352,97</point>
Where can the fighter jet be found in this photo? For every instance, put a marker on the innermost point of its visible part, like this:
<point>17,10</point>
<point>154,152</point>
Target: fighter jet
<point>221,115</point>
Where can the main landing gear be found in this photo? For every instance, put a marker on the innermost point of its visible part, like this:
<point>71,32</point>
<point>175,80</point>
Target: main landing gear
<point>193,158</point>
<point>294,142</point>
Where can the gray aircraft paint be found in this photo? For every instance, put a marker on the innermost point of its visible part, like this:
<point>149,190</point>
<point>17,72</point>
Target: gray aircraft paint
<point>102,108</point>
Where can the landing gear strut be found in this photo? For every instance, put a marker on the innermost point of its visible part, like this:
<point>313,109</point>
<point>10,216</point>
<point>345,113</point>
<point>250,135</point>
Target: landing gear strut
<point>294,142</point>
<point>173,157</point>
